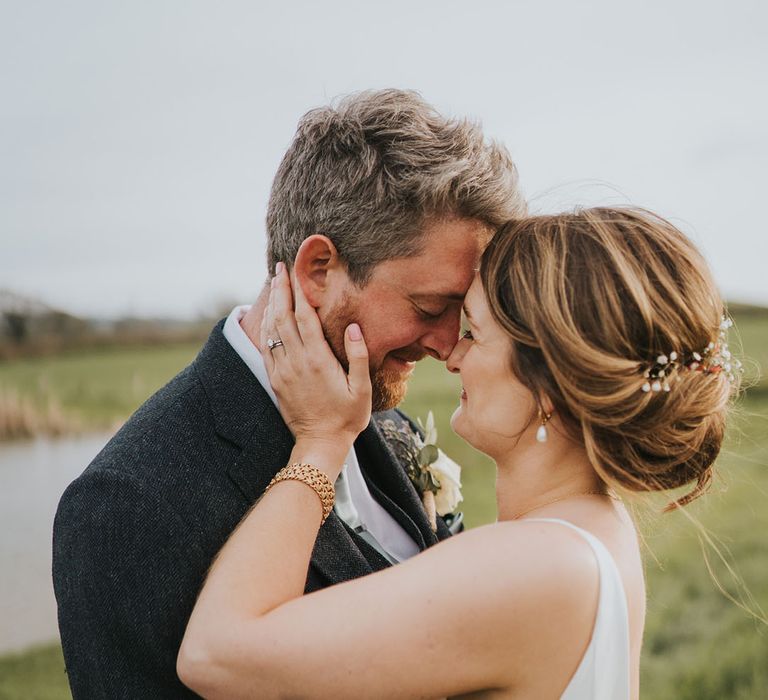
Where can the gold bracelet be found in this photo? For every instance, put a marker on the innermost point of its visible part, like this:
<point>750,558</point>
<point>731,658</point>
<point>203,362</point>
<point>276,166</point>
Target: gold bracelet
<point>312,477</point>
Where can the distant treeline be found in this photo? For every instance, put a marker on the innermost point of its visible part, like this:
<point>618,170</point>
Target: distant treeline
<point>42,333</point>
<point>751,310</point>
<point>55,332</point>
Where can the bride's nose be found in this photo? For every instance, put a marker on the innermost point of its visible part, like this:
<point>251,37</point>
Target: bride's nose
<point>453,363</point>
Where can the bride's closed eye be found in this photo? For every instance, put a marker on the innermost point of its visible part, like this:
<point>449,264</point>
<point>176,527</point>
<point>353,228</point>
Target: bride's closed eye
<point>467,334</point>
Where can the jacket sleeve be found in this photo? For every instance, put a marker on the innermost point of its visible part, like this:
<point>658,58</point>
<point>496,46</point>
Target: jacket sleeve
<point>126,572</point>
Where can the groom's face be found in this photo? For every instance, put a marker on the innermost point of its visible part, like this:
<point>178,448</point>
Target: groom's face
<point>410,307</point>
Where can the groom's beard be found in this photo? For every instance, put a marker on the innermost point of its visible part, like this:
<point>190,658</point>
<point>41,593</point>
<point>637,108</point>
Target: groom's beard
<point>389,386</point>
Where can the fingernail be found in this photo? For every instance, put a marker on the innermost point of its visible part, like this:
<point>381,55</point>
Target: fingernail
<point>354,332</point>
<point>272,283</point>
<point>279,268</point>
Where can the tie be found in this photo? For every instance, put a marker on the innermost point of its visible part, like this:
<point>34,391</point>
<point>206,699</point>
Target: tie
<point>346,510</point>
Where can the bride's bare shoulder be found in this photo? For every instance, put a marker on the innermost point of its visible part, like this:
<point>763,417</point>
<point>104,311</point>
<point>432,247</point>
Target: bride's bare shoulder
<point>532,542</point>
<point>523,567</point>
<point>523,592</point>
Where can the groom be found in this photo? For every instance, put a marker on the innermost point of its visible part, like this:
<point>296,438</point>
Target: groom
<point>380,208</point>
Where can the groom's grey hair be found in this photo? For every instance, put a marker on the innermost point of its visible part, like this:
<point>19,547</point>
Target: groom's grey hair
<point>372,170</point>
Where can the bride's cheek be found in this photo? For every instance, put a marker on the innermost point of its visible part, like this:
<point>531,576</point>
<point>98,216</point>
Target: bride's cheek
<point>456,420</point>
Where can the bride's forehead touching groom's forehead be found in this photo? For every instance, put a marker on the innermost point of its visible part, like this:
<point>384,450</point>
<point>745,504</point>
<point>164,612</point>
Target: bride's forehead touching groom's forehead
<point>475,307</point>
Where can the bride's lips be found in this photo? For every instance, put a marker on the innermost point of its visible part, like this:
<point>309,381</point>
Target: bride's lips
<point>463,394</point>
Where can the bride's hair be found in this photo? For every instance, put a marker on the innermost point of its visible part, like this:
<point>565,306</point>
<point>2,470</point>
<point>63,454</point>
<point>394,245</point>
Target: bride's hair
<point>592,300</point>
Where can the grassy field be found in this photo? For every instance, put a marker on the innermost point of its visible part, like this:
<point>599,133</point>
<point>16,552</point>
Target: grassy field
<point>37,674</point>
<point>750,340</point>
<point>96,389</point>
<point>698,644</point>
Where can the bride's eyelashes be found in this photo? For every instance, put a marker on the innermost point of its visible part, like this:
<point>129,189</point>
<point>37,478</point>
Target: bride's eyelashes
<point>466,334</point>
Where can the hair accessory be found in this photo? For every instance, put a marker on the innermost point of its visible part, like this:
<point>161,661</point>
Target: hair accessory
<point>714,359</point>
<point>311,476</point>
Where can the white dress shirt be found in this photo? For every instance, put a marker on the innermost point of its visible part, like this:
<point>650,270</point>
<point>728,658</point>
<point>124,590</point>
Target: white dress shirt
<point>354,503</point>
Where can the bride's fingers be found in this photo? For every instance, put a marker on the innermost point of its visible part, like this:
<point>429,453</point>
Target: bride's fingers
<point>265,334</point>
<point>359,377</point>
<point>283,318</point>
<point>307,320</point>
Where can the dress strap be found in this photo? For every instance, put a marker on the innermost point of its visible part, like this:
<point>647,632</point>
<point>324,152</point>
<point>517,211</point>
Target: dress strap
<point>603,673</point>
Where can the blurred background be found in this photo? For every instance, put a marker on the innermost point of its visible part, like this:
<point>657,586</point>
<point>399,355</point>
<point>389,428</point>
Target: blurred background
<point>138,142</point>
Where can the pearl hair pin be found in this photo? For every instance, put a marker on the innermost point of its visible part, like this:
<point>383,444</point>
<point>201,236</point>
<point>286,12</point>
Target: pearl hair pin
<point>716,358</point>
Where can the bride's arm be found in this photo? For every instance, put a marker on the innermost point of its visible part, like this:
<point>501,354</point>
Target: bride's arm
<point>439,624</point>
<point>434,626</point>
<point>477,611</point>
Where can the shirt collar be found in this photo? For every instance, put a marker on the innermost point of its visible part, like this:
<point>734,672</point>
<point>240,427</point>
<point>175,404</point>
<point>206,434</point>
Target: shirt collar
<point>245,348</point>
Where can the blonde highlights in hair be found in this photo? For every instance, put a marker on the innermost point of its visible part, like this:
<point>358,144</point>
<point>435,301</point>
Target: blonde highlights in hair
<point>589,299</point>
<point>371,171</point>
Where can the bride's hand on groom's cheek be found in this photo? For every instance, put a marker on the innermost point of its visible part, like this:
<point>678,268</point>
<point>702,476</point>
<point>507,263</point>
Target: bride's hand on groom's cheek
<point>319,401</point>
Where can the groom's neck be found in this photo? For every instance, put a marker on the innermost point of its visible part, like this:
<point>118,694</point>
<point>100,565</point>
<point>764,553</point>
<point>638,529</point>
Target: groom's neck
<point>251,322</point>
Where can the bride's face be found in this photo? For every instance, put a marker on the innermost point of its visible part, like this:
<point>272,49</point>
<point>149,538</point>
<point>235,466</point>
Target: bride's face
<point>496,410</point>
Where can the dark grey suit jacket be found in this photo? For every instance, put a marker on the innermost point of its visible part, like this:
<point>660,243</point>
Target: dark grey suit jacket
<point>135,534</point>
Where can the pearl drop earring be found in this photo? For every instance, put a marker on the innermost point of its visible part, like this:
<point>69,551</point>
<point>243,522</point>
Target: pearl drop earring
<point>541,433</point>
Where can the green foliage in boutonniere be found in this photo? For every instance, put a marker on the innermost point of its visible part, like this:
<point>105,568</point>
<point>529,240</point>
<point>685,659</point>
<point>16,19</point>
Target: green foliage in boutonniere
<point>436,477</point>
<point>418,470</point>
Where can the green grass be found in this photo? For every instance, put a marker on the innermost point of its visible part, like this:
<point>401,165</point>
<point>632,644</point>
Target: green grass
<point>750,340</point>
<point>433,388</point>
<point>698,644</point>
<point>37,674</point>
<point>96,388</point>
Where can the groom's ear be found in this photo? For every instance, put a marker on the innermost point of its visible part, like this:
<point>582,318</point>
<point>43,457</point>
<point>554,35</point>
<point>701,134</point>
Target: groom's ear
<point>318,269</point>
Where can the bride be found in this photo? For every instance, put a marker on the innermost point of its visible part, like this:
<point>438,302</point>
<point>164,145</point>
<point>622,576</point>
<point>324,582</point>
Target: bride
<point>594,363</point>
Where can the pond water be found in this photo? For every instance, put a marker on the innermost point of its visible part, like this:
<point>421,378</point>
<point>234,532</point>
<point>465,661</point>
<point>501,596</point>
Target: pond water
<point>33,475</point>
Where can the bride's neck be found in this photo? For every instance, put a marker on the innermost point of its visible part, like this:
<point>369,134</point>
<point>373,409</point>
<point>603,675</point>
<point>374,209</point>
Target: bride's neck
<point>538,474</point>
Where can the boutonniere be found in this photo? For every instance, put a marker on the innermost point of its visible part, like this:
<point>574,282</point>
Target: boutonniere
<point>437,478</point>
<point>435,475</point>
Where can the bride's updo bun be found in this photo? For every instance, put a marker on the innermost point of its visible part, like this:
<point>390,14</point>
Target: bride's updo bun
<point>615,318</point>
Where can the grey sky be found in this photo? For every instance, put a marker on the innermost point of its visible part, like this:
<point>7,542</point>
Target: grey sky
<point>138,139</point>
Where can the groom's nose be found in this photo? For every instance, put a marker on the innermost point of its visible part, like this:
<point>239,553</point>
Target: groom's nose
<point>440,340</point>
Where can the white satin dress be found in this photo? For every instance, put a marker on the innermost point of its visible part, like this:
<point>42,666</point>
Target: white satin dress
<point>603,673</point>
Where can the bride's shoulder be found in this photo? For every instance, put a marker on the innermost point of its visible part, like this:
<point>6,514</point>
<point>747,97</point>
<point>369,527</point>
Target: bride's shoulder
<point>523,590</point>
<point>535,560</point>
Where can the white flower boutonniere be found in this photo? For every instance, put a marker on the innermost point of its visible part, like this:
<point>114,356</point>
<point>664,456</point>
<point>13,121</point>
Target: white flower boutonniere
<point>436,476</point>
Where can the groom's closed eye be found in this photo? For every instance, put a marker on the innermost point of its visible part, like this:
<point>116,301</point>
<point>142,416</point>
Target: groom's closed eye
<point>432,306</point>
<point>429,314</point>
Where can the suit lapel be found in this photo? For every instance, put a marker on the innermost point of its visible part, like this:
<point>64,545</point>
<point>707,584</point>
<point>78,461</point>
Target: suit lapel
<point>258,444</point>
<point>336,554</point>
<point>341,557</point>
<point>247,420</point>
<point>388,480</point>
